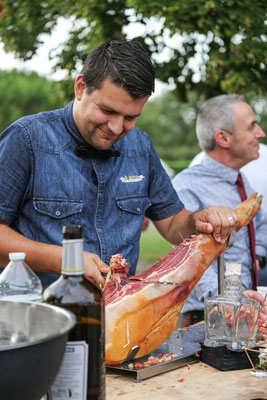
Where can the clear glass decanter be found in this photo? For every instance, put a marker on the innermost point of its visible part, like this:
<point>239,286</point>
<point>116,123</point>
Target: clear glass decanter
<point>231,318</point>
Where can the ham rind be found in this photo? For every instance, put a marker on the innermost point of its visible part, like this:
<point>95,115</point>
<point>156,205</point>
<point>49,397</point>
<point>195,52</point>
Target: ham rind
<point>147,314</point>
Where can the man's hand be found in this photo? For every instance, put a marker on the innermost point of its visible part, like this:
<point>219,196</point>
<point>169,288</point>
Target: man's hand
<point>218,220</point>
<point>93,266</point>
<point>257,296</point>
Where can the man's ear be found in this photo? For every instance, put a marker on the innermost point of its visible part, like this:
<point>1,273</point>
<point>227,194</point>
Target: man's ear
<point>79,87</point>
<point>223,139</point>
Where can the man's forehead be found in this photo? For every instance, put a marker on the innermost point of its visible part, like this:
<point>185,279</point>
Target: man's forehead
<point>243,112</point>
<point>241,107</point>
<point>114,98</point>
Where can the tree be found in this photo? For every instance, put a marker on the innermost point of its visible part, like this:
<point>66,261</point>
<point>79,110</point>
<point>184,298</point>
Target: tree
<point>171,126</point>
<point>212,46</point>
<point>26,93</point>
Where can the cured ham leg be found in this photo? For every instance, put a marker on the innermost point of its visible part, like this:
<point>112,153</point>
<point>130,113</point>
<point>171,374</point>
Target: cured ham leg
<point>147,314</point>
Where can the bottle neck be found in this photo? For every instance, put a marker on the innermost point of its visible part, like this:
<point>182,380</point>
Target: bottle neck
<point>232,283</point>
<point>72,259</point>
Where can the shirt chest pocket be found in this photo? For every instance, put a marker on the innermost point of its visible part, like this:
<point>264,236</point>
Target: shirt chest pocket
<point>51,215</point>
<point>131,212</point>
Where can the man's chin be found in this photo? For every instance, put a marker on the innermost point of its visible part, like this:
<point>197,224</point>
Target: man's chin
<point>104,145</point>
<point>257,154</point>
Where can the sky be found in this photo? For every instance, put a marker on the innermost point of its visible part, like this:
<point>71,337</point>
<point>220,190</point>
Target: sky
<point>41,63</point>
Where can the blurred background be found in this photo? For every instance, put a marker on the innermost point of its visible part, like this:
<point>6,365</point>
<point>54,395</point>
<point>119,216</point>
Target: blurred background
<point>199,48</point>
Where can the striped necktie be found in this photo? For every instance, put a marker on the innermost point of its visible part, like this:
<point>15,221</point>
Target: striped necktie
<point>242,191</point>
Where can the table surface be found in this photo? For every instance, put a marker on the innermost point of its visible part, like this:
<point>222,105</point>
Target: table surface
<point>196,381</point>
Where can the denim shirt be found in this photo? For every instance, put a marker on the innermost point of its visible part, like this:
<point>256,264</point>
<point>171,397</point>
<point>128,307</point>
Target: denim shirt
<point>211,183</point>
<point>44,185</point>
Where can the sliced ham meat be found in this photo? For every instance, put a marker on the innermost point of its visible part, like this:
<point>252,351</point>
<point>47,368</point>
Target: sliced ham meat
<point>146,314</point>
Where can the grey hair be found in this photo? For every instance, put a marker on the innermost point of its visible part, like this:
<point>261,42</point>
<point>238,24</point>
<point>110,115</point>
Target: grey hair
<point>215,114</point>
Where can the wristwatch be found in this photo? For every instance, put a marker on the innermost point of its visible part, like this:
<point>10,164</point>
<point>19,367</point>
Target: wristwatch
<point>262,261</point>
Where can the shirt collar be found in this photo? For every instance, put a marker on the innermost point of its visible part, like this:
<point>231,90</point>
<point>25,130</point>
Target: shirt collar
<point>71,126</point>
<point>221,170</point>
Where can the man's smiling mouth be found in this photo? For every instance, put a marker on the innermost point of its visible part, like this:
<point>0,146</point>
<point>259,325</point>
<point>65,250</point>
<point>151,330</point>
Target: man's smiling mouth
<point>107,133</point>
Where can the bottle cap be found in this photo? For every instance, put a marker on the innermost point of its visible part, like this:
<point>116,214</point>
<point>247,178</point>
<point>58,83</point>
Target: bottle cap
<point>232,268</point>
<point>16,256</point>
<point>72,232</point>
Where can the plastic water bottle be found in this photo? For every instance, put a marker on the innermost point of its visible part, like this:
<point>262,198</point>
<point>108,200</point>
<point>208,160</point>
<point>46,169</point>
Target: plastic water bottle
<point>18,282</point>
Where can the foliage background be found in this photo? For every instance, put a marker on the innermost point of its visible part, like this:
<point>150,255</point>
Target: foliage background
<point>204,46</point>
<point>201,48</point>
<point>25,93</point>
<point>169,122</point>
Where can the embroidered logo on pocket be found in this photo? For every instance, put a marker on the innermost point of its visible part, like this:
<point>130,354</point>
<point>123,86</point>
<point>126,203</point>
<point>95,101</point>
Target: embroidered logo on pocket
<point>133,178</point>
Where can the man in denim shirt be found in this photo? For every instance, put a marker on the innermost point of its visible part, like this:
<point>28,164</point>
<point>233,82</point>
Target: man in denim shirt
<point>229,134</point>
<point>88,164</point>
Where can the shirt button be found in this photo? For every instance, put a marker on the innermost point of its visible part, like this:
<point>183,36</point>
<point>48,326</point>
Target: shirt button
<point>100,195</point>
<point>99,230</point>
<point>138,209</point>
<point>58,213</point>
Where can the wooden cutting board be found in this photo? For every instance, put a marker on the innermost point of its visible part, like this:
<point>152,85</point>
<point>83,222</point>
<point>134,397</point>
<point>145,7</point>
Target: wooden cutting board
<point>195,382</point>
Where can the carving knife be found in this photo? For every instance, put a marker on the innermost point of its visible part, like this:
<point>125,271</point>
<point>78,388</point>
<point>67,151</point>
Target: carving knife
<point>140,280</point>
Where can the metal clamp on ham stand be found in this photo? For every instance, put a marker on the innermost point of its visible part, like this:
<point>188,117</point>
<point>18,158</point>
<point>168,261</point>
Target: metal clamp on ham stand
<point>222,357</point>
<point>220,262</point>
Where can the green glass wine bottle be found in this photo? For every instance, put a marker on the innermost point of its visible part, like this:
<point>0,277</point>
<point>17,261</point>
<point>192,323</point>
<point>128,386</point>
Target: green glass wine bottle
<point>82,373</point>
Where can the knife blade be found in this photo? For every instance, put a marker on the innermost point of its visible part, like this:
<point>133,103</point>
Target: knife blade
<point>131,279</point>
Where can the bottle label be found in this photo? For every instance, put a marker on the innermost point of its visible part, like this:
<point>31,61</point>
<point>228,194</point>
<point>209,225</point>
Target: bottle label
<point>71,380</point>
<point>72,258</point>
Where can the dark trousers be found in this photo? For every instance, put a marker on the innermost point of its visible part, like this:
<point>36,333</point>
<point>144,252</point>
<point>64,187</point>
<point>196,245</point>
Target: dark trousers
<point>262,277</point>
<point>190,318</point>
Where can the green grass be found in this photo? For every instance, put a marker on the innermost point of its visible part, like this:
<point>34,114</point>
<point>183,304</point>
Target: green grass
<point>178,165</point>
<point>153,246</point>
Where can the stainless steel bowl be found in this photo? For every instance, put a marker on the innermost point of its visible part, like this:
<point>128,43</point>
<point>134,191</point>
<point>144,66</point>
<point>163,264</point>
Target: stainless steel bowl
<point>32,343</point>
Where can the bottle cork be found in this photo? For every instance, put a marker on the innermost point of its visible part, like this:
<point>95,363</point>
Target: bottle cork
<point>232,268</point>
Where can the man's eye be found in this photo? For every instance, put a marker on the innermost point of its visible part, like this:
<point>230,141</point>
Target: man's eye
<point>107,111</point>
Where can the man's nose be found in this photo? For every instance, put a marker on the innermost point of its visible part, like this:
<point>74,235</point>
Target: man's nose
<point>260,132</point>
<point>115,124</point>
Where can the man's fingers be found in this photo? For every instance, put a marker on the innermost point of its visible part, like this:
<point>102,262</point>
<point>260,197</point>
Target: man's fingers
<point>226,225</point>
<point>93,268</point>
<point>96,277</point>
<point>221,221</point>
<point>102,267</point>
<point>257,296</point>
